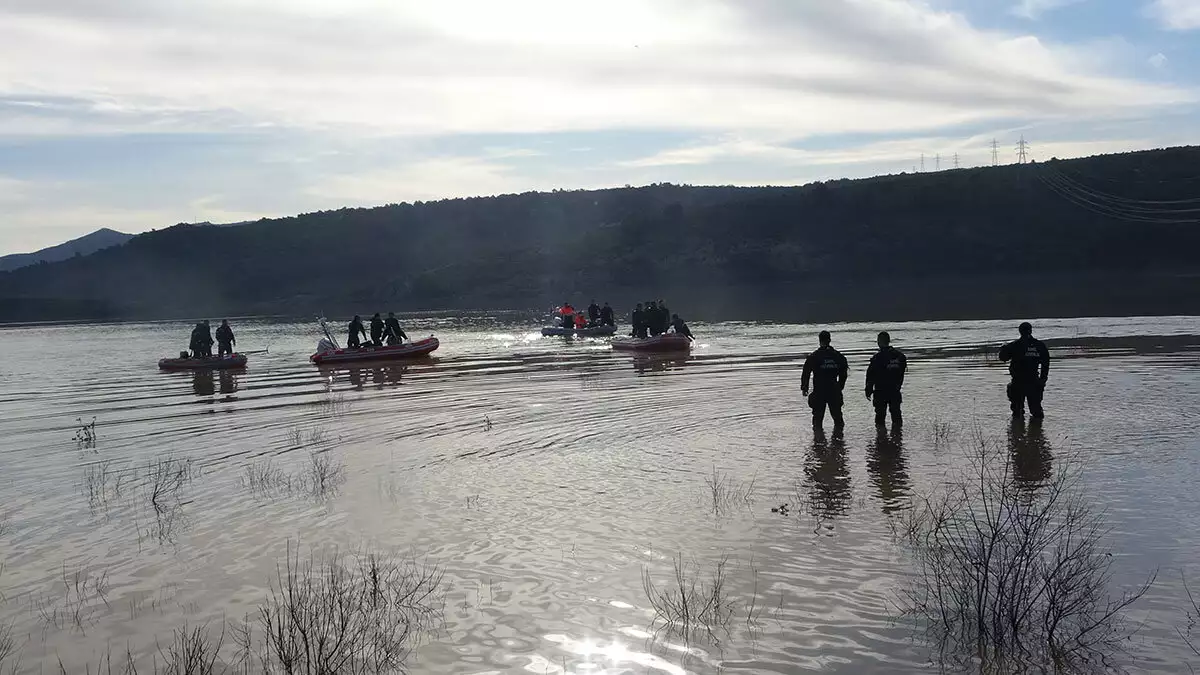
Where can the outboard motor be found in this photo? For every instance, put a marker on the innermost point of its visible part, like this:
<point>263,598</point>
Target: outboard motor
<point>325,345</point>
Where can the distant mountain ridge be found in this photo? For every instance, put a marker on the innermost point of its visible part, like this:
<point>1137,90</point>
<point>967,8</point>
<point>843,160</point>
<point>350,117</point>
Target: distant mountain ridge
<point>1111,235</point>
<point>85,245</point>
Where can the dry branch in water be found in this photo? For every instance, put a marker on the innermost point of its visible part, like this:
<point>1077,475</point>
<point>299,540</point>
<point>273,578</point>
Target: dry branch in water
<point>1008,575</point>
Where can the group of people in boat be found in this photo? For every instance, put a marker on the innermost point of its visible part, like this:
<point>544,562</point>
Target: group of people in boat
<point>383,331</point>
<point>654,319</point>
<point>595,317</point>
<point>202,341</point>
<point>825,373</point>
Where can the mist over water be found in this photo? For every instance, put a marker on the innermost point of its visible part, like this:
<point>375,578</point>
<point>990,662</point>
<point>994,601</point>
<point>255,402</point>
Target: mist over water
<point>550,477</point>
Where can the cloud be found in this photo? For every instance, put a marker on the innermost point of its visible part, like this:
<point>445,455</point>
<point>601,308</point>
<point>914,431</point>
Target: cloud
<point>1032,9</point>
<point>1159,60</point>
<point>362,67</point>
<point>1176,14</point>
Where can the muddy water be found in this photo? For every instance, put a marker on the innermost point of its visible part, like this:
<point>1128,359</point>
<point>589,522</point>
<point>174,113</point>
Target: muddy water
<point>551,479</point>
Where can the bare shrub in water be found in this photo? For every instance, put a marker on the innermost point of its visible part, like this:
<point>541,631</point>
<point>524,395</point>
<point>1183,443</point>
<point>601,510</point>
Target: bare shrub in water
<point>165,477</point>
<point>338,615</point>
<point>83,591</point>
<point>725,492</point>
<point>1009,575</point>
<point>85,434</point>
<point>1193,619</point>
<point>691,603</point>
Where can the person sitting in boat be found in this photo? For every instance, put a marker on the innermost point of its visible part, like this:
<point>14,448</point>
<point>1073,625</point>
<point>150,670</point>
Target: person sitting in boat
<point>638,319</point>
<point>568,314</point>
<point>225,338</point>
<point>356,329</point>
<point>593,314</point>
<point>377,330</point>
<point>606,316</point>
<point>679,327</point>
<point>392,332</point>
<point>580,322</point>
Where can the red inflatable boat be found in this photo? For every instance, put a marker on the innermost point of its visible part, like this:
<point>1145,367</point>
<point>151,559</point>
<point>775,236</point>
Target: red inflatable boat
<point>327,353</point>
<point>667,342</point>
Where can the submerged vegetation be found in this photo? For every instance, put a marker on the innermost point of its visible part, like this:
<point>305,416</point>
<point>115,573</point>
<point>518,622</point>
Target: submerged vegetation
<point>697,603</point>
<point>1011,577</point>
<point>85,434</point>
<point>322,474</point>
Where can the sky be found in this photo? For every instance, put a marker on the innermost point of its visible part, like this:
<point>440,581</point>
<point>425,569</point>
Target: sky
<point>139,114</point>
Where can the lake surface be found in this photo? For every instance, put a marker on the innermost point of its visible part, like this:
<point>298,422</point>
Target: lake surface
<point>550,478</point>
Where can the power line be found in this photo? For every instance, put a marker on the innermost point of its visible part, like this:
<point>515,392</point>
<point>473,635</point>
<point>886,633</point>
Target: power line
<point>1022,151</point>
<point>995,152</point>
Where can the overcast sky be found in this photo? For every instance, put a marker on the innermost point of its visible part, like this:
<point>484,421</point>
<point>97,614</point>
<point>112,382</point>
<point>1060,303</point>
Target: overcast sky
<point>136,114</point>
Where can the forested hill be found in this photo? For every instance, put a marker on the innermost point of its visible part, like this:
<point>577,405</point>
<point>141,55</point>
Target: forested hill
<point>1115,234</point>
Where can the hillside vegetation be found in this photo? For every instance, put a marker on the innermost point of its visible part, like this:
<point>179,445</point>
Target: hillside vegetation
<point>1115,234</point>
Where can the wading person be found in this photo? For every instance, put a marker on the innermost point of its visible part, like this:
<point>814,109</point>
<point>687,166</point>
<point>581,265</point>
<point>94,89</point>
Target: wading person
<point>827,369</point>
<point>885,376</point>
<point>225,338</point>
<point>1028,367</point>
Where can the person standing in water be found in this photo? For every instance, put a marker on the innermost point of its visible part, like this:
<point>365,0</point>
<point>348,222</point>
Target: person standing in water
<point>392,331</point>
<point>828,370</point>
<point>885,376</point>
<point>1029,367</point>
<point>356,329</point>
<point>225,338</point>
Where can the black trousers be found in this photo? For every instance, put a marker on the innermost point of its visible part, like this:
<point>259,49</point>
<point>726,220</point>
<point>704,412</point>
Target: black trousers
<point>885,402</point>
<point>1020,391</point>
<point>820,400</point>
<point>224,348</point>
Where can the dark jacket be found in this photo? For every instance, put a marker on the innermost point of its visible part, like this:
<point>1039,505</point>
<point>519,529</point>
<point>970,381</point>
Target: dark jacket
<point>392,329</point>
<point>606,315</point>
<point>593,312</point>
<point>886,371</point>
<point>680,327</point>
<point>827,368</point>
<point>1025,358</point>
<point>376,329</point>
<point>225,335</point>
<point>356,329</point>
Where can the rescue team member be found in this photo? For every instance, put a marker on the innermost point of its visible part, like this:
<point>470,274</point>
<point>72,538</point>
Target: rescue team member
<point>885,376</point>
<point>225,338</point>
<point>356,329</point>
<point>606,315</point>
<point>680,327</point>
<point>377,330</point>
<point>827,369</point>
<point>392,332</point>
<point>1029,367</point>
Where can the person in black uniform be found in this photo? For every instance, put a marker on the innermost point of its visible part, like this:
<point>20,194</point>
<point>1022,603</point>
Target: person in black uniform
<point>885,376</point>
<point>377,330</point>
<point>653,319</point>
<point>1029,367</point>
<point>393,333</point>
<point>679,326</point>
<point>356,329</point>
<point>206,339</point>
<point>225,338</point>
<point>638,320</point>
<point>194,345</point>
<point>593,314</point>
<point>606,316</point>
<point>827,369</point>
